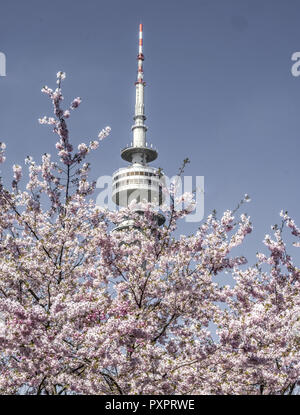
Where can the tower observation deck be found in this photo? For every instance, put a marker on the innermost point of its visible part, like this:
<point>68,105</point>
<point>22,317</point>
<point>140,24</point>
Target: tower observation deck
<point>138,180</point>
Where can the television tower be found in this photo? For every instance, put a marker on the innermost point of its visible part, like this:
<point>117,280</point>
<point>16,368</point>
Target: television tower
<point>138,180</point>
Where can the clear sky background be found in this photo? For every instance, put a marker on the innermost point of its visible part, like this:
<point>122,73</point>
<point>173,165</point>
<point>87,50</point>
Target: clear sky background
<point>219,91</point>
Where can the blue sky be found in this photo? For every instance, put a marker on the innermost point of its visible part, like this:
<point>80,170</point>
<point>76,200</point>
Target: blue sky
<point>219,91</point>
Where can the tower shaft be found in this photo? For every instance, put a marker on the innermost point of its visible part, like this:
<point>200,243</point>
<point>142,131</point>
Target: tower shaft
<point>139,129</point>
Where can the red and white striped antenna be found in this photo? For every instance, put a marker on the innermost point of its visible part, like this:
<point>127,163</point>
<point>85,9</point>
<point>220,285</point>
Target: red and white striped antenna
<point>140,56</point>
<point>141,39</point>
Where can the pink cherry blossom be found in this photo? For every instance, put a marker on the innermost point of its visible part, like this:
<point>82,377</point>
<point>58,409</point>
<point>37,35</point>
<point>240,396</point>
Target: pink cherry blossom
<point>88,310</point>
